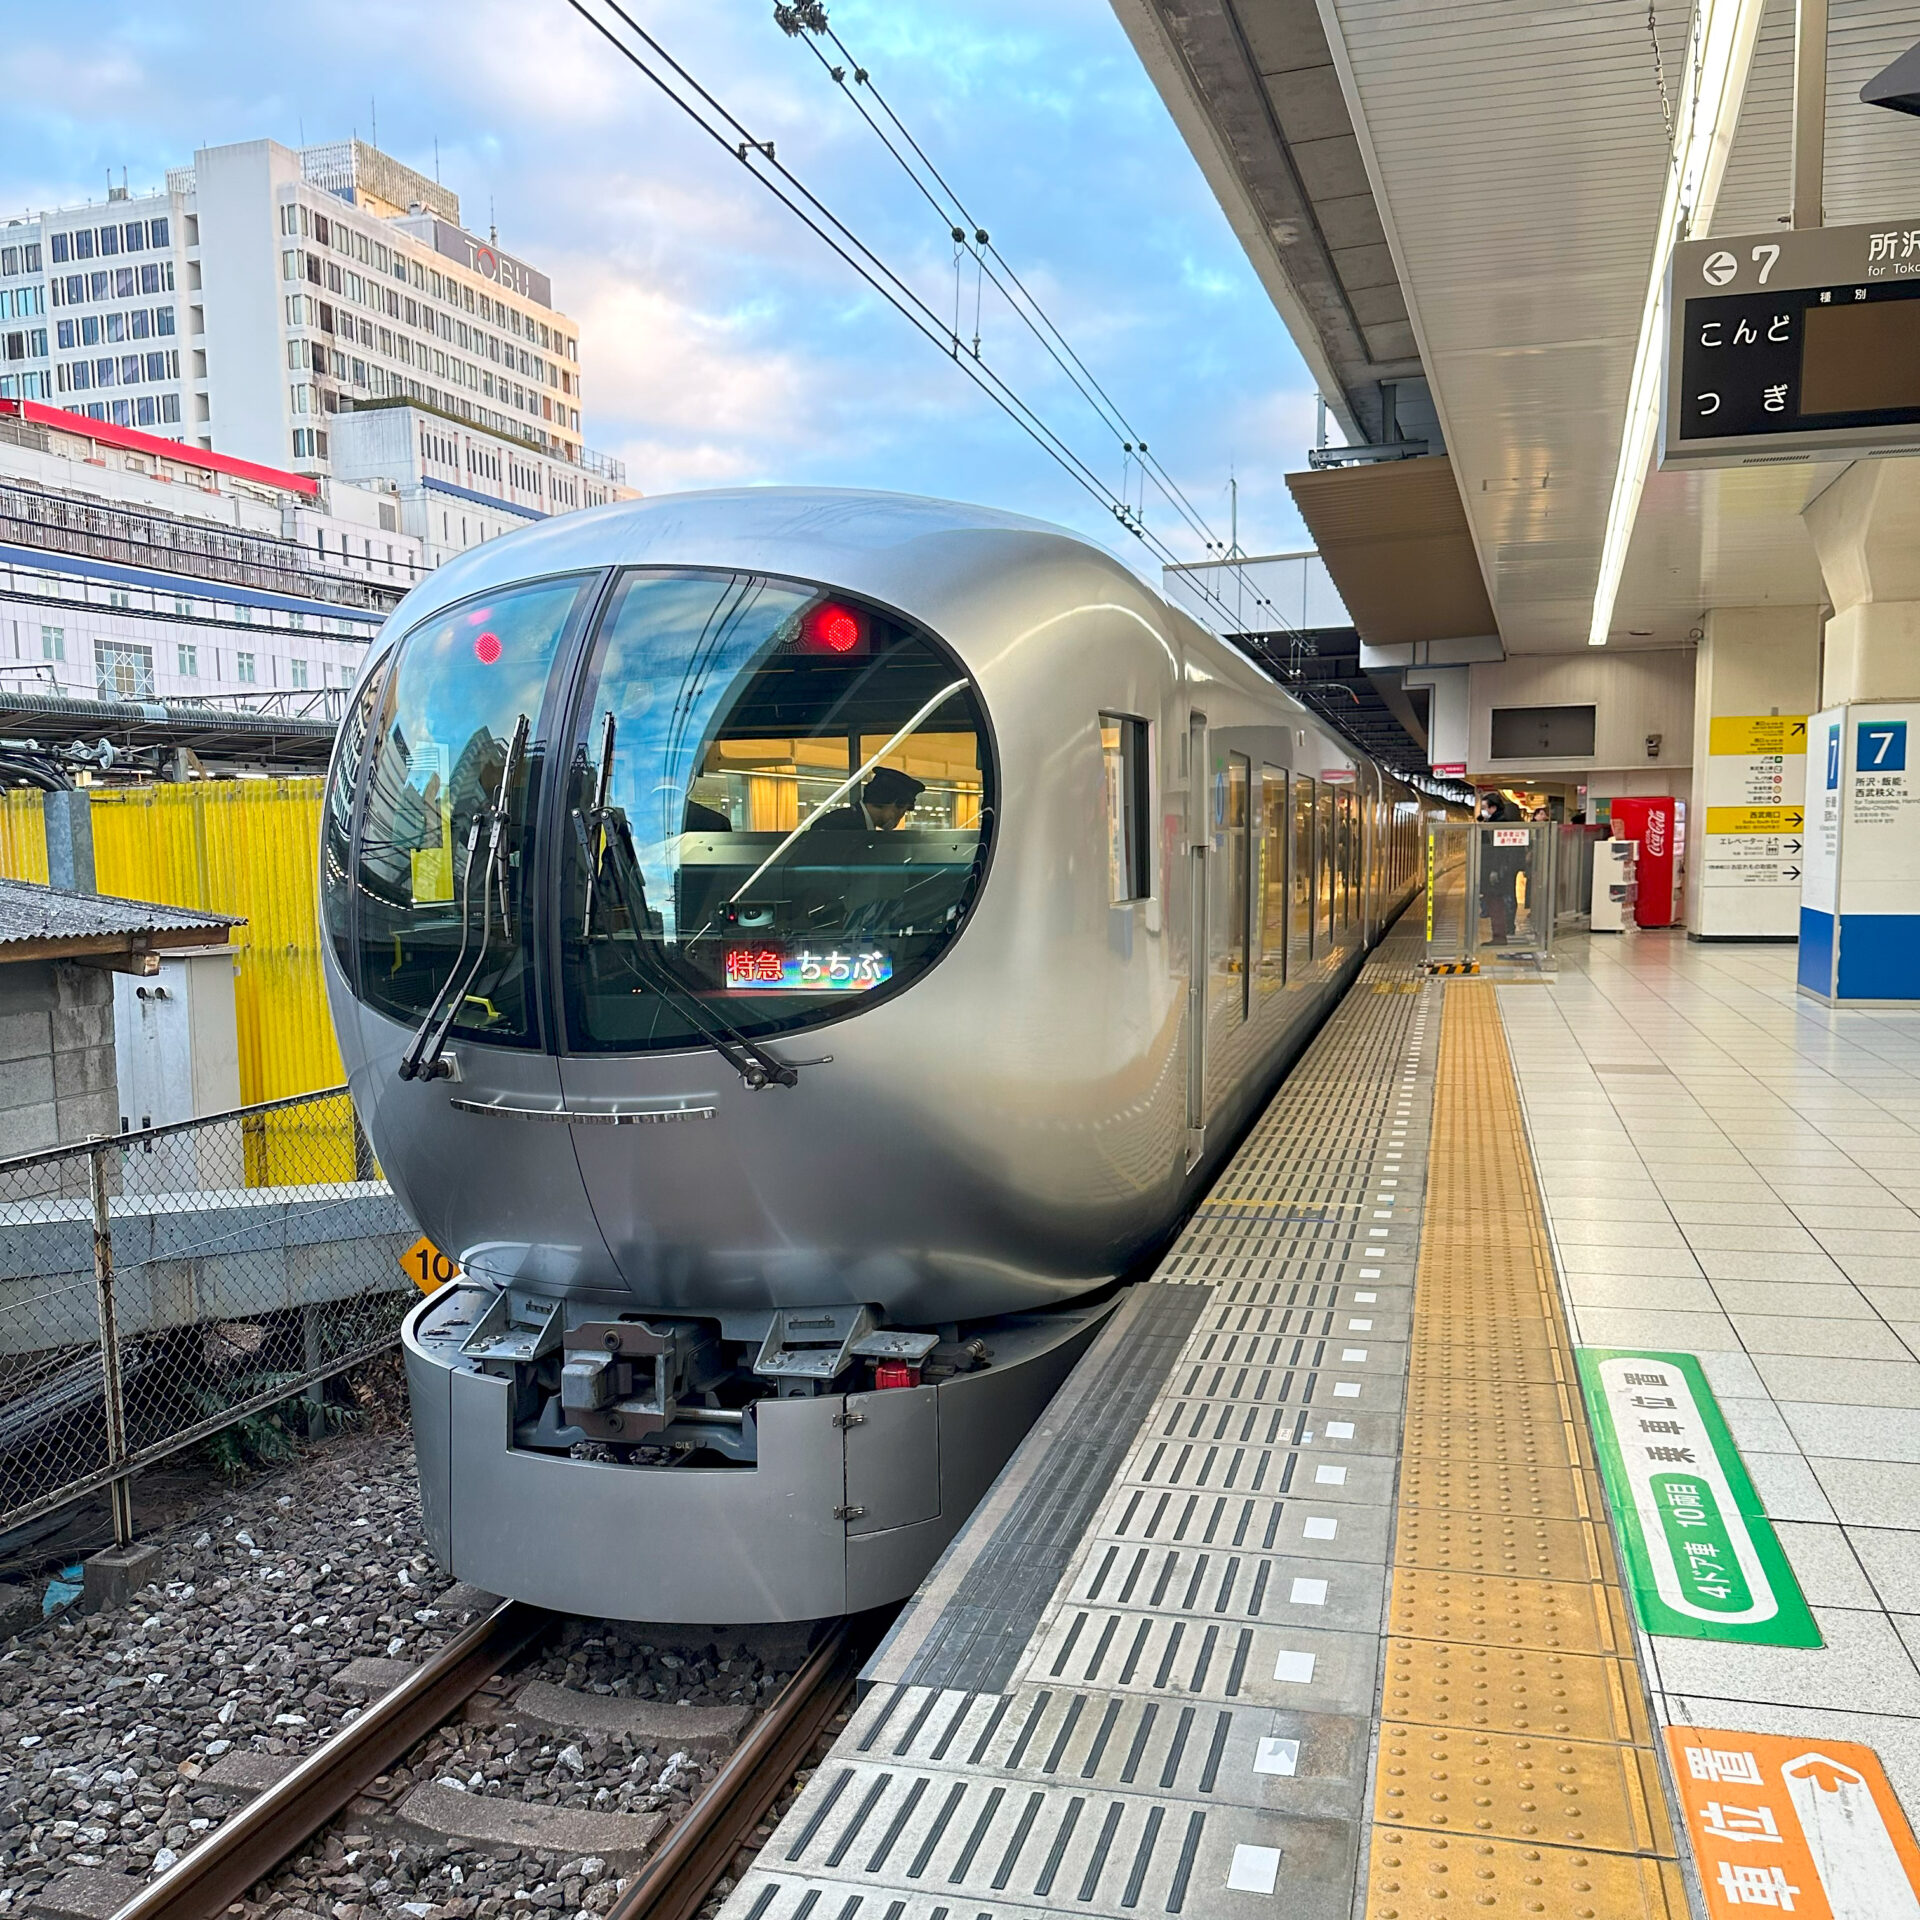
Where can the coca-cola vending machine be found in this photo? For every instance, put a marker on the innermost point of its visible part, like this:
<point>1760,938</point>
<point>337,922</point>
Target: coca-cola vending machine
<point>1658,823</point>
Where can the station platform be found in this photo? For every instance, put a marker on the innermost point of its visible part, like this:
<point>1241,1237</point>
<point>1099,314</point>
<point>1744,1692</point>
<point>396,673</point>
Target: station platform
<point>1329,1583</point>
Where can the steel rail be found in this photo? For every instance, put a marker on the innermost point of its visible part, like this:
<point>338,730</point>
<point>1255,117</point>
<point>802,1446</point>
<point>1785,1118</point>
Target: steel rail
<point>246,1848</point>
<point>679,1876</point>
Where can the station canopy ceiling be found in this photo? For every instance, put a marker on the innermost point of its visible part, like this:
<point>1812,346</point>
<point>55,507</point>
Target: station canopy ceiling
<point>1462,202</point>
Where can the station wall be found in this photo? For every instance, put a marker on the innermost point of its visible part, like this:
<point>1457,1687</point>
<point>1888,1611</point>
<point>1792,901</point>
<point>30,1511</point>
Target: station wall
<point>1633,694</point>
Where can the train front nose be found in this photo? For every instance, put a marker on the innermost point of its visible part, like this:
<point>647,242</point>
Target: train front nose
<point>606,845</point>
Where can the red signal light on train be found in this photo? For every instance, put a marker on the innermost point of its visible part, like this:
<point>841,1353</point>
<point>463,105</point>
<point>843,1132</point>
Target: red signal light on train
<point>486,649</point>
<point>833,628</point>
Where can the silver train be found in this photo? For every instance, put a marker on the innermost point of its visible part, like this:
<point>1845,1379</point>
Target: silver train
<point>794,950</point>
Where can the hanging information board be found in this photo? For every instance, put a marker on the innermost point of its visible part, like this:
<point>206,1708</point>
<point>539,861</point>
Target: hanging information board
<point>1794,341</point>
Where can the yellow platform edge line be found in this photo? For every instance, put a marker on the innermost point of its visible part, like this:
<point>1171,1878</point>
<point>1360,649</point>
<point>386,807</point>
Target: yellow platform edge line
<point>1517,1769</point>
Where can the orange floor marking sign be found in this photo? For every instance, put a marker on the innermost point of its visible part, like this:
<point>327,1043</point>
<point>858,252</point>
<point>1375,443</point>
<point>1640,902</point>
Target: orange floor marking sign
<point>1794,1825</point>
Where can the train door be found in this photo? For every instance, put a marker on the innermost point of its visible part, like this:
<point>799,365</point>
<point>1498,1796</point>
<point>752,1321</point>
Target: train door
<point>1348,872</point>
<point>1300,879</point>
<point>1273,878</point>
<point>1198,839</point>
<point>1326,896</point>
<point>1233,824</point>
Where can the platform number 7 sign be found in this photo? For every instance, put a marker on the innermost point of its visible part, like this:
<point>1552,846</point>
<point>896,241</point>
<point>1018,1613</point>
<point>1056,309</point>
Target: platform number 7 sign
<point>1882,747</point>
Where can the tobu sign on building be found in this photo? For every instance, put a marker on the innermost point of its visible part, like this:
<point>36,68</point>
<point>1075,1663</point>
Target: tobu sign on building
<point>455,243</point>
<point>1803,341</point>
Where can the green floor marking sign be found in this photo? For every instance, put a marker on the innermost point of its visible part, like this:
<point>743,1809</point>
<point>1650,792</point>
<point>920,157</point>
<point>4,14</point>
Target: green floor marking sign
<point>1702,1556</point>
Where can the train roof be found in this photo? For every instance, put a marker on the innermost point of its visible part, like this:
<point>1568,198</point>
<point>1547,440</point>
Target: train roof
<point>854,538</point>
<point>892,547</point>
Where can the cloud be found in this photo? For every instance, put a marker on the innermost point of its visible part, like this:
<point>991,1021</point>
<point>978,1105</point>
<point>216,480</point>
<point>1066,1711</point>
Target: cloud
<point>721,341</point>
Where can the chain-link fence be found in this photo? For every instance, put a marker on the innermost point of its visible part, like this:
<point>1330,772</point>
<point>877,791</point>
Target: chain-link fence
<point>163,1286</point>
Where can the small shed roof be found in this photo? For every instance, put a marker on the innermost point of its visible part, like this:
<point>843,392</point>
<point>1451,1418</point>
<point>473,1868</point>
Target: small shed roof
<point>48,923</point>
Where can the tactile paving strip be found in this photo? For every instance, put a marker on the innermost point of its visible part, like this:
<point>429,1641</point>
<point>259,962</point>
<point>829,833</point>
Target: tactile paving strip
<point>1516,1772</point>
<point>1143,1680</point>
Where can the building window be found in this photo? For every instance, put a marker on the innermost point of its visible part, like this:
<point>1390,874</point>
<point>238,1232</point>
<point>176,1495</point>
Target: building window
<point>297,673</point>
<point>119,597</point>
<point>189,661</point>
<point>243,668</point>
<point>182,605</point>
<point>122,671</point>
<point>53,643</point>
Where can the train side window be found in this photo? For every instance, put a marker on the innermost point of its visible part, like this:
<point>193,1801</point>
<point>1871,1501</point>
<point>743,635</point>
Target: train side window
<point>1273,874</point>
<point>1124,749</point>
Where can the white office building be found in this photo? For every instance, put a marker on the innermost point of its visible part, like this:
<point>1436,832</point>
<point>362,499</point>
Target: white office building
<point>264,292</point>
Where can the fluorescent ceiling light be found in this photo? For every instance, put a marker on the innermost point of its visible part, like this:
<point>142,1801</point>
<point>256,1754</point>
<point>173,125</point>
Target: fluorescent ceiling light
<point>1718,56</point>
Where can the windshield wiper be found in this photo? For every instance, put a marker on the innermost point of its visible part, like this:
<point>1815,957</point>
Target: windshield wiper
<point>422,1059</point>
<point>607,829</point>
<point>605,836</point>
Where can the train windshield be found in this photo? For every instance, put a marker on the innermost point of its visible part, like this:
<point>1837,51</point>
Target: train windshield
<point>442,863</point>
<point>777,803</point>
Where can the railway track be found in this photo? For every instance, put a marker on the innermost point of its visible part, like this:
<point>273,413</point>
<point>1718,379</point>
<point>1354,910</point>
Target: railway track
<point>671,1884</point>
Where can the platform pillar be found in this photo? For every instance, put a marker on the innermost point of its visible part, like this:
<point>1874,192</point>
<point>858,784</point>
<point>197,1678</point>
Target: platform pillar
<point>1860,900</point>
<point>1756,678</point>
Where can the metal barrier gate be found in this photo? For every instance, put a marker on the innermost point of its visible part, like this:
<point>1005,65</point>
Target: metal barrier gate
<point>1491,894</point>
<point>158,1287</point>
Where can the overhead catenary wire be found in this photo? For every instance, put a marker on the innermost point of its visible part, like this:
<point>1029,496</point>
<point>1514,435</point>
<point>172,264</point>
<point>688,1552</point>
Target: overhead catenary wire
<point>808,17</point>
<point>761,161</point>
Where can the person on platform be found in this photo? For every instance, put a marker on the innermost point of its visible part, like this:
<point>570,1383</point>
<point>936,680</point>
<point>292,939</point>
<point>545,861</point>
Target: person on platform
<point>1499,868</point>
<point>886,800</point>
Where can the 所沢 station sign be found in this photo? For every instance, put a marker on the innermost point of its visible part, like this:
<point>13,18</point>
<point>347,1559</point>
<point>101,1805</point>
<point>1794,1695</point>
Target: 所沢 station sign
<point>1795,344</point>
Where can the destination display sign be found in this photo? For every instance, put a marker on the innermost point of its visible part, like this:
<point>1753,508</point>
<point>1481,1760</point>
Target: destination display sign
<point>1792,342</point>
<point>772,969</point>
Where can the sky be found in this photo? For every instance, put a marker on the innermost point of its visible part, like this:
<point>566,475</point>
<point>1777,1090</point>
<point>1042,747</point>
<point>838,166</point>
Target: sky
<point>722,343</point>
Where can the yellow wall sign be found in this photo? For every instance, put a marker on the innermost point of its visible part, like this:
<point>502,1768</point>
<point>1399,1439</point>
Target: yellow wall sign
<point>427,1267</point>
<point>1743,733</point>
<point>1755,819</point>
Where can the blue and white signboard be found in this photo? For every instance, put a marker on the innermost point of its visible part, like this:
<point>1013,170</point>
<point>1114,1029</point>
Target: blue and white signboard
<point>1860,893</point>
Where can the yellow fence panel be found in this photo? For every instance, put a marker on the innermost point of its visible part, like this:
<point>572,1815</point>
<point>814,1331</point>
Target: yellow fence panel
<point>23,835</point>
<point>247,847</point>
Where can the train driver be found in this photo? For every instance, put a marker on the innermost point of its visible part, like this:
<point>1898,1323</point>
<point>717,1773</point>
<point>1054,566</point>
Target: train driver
<point>886,800</point>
